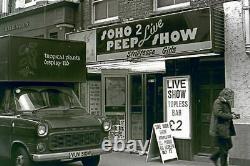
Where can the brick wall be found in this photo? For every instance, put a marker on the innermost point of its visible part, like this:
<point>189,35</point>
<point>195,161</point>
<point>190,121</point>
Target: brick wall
<point>135,9</point>
<point>240,154</point>
<point>237,75</point>
<point>87,16</point>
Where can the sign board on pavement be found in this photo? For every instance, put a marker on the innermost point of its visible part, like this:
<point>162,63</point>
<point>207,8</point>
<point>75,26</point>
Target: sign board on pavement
<point>161,143</point>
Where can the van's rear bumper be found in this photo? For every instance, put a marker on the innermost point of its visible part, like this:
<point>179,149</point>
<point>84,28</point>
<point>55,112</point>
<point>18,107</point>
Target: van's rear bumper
<point>67,155</point>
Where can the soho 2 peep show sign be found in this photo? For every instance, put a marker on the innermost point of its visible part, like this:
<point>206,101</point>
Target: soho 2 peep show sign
<point>165,36</point>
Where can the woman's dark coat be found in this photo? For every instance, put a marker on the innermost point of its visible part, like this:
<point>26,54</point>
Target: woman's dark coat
<point>221,120</point>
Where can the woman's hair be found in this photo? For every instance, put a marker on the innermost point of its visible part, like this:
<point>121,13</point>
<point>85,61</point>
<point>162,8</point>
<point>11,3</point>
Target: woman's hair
<point>227,93</point>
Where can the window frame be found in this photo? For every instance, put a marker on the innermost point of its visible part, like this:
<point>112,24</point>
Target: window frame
<point>1,7</point>
<point>101,20</point>
<point>4,6</point>
<point>32,3</point>
<point>170,7</point>
<point>53,35</point>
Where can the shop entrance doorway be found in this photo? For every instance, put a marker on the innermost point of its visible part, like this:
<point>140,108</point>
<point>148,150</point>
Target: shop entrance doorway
<point>145,104</point>
<point>153,101</point>
<point>211,81</point>
<point>114,101</point>
<point>133,102</point>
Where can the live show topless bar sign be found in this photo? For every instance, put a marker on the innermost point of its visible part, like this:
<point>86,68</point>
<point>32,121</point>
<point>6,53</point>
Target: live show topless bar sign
<point>177,105</point>
<point>165,36</point>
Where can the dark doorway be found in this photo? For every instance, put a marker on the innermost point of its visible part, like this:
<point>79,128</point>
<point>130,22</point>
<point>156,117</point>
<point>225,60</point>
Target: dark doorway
<point>154,101</point>
<point>211,80</point>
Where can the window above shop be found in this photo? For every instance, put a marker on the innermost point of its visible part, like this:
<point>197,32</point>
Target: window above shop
<point>160,5</point>
<point>4,6</point>
<point>1,6</point>
<point>53,35</point>
<point>28,3</point>
<point>25,3</point>
<point>104,10</point>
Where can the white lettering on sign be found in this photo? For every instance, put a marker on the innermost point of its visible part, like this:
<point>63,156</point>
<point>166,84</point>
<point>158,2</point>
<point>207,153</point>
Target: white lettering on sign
<point>136,54</point>
<point>59,60</point>
<point>122,43</point>
<point>116,33</point>
<point>121,37</point>
<point>175,36</point>
<point>169,50</point>
<point>150,30</point>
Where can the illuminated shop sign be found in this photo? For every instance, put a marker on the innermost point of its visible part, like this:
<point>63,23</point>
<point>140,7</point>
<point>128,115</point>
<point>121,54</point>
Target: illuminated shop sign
<point>166,35</point>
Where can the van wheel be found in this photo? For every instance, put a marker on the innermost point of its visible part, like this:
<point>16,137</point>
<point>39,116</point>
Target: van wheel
<point>91,161</point>
<point>21,158</point>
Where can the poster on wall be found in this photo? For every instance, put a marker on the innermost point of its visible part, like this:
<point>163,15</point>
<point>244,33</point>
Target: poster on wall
<point>94,88</point>
<point>115,91</point>
<point>177,105</point>
<point>118,129</point>
<point>83,94</point>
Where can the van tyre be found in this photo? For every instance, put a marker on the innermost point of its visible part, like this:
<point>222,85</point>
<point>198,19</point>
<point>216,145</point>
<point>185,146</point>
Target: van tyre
<point>91,161</point>
<point>20,157</point>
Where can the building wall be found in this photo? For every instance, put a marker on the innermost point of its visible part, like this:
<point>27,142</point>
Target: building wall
<point>87,13</point>
<point>41,21</point>
<point>127,10</point>
<point>237,63</point>
<point>237,75</point>
<point>135,9</point>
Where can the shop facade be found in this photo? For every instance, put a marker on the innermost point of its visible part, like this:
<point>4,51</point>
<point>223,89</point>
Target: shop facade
<point>186,48</point>
<point>140,82</point>
<point>48,20</point>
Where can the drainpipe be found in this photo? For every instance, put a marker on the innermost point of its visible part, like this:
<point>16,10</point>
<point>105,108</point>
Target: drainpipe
<point>81,14</point>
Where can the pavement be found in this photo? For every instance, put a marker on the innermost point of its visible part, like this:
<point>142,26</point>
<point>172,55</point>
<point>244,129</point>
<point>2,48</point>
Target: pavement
<point>130,159</point>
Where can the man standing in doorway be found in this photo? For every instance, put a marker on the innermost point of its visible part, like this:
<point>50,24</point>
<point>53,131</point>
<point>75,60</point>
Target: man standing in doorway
<point>221,126</point>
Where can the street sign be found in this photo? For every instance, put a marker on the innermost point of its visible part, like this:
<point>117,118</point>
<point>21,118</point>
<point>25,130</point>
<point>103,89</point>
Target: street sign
<point>206,3</point>
<point>161,143</point>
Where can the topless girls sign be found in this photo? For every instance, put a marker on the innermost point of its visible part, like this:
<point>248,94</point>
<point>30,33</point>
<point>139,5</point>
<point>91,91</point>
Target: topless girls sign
<point>166,35</point>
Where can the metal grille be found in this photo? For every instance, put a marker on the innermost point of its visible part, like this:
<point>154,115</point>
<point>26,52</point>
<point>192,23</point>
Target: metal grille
<point>74,140</point>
